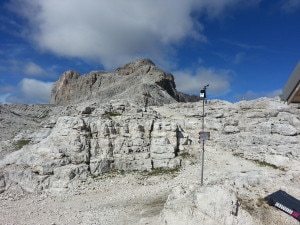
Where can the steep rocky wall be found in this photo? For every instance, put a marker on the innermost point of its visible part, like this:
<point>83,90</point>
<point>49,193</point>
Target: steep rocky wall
<point>90,139</point>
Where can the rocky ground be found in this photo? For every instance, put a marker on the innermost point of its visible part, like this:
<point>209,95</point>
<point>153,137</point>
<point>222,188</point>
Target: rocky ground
<point>119,199</point>
<point>145,198</point>
<point>253,152</point>
<point>131,198</point>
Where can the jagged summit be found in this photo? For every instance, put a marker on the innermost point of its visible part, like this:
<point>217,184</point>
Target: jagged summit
<point>140,81</point>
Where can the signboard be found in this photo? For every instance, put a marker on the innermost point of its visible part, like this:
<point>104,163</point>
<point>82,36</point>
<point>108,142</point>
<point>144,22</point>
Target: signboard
<point>204,136</point>
<point>202,94</point>
<point>285,202</point>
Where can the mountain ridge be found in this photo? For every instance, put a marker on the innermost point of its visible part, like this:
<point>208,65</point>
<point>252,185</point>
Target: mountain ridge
<point>139,81</point>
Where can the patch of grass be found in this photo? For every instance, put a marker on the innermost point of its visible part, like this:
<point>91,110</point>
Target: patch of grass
<point>110,115</point>
<point>258,162</point>
<point>238,154</point>
<point>266,164</point>
<point>21,143</point>
<point>161,171</point>
<point>109,174</point>
<point>185,155</point>
<point>145,173</point>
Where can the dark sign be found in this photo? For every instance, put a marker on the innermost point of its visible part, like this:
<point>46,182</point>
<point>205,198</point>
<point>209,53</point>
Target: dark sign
<point>285,202</point>
<point>204,136</point>
<point>203,94</point>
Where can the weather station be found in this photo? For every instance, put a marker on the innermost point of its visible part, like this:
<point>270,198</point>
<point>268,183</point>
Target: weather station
<point>203,135</point>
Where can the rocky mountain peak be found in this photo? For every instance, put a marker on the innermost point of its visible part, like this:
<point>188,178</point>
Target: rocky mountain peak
<point>135,65</point>
<point>140,81</point>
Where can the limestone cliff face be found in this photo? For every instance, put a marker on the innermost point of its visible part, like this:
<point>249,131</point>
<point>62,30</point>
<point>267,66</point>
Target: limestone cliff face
<point>104,122</point>
<point>139,81</point>
<point>253,151</point>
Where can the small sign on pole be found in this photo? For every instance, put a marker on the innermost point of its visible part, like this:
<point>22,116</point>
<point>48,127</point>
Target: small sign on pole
<point>203,94</point>
<point>204,136</point>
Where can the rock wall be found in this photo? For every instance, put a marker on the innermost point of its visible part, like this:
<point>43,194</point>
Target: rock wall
<point>253,152</point>
<point>88,139</point>
<point>91,140</point>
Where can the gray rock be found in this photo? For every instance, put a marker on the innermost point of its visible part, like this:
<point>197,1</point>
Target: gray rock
<point>253,147</point>
<point>139,81</point>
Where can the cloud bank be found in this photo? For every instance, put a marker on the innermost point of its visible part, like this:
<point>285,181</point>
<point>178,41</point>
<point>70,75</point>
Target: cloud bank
<point>250,95</point>
<point>192,82</point>
<point>290,6</point>
<point>28,91</point>
<point>114,32</point>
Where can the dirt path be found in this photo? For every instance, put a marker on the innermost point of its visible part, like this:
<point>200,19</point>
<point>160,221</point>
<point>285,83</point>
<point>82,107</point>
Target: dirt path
<point>123,199</point>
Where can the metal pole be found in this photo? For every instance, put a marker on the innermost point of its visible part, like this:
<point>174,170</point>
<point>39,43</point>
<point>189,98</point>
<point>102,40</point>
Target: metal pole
<point>202,163</point>
<point>202,146</point>
<point>203,96</point>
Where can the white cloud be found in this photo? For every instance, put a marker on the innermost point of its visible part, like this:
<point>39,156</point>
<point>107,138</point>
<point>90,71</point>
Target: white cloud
<point>250,95</point>
<point>33,69</point>
<point>6,88</point>
<point>35,90</point>
<point>193,82</point>
<point>29,91</point>
<point>114,32</point>
<point>239,57</point>
<point>28,68</point>
<point>274,93</point>
<point>290,6</point>
<point>3,98</point>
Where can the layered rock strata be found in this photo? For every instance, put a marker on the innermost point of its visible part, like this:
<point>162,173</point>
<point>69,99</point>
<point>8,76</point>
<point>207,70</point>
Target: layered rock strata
<point>90,139</point>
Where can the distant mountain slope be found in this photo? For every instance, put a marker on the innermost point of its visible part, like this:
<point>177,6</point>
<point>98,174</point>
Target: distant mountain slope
<point>139,81</point>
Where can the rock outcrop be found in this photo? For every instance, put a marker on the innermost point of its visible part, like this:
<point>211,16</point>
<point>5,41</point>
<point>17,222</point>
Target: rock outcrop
<point>91,138</point>
<point>140,82</point>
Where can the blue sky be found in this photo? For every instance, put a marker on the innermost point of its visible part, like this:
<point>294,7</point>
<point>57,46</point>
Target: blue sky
<point>243,49</point>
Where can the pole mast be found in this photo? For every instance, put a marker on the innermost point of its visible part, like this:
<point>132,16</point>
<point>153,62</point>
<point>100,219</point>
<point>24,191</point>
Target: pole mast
<point>203,135</point>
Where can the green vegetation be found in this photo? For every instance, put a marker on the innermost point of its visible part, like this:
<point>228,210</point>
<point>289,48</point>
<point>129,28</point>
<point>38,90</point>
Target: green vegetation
<point>238,154</point>
<point>143,174</point>
<point>186,155</point>
<point>258,162</point>
<point>266,164</point>
<point>109,115</point>
<point>21,143</point>
<point>109,174</point>
<point>160,171</point>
